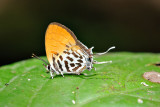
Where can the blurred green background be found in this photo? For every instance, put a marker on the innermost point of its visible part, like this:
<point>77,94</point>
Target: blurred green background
<point>130,25</point>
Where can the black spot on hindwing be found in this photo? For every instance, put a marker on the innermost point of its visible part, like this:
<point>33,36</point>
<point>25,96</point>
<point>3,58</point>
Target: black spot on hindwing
<point>61,58</point>
<point>54,64</point>
<point>66,52</point>
<point>59,64</point>
<point>75,55</point>
<point>80,61</point>
<point>67,46</point>
<point>72,64</point>
<point>67,67</point>
<point>69,58</point>
<point>79,65</point>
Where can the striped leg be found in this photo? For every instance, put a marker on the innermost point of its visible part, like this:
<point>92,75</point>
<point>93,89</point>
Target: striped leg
<point>62,74</point>
<point>52,74</point>
<point>48,68</point>
<point>105,52</point>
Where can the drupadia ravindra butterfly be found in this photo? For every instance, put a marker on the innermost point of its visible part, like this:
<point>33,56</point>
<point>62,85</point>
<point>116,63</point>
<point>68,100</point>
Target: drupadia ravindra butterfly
<point>65,53</point>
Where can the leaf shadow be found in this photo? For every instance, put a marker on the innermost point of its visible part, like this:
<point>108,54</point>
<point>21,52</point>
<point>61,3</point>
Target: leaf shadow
<point>93,76</point>
<point>82,76</point>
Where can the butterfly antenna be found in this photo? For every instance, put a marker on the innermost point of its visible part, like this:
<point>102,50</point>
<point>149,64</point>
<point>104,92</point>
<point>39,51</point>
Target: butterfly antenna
<point>95,62</point>
<point>105,52</point>
<point>34,56</point>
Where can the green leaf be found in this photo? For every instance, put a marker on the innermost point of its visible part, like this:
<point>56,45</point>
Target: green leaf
<point>115,84</point>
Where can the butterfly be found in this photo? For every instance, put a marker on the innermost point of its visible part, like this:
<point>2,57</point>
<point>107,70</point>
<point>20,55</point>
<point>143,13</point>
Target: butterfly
<point>65,53</point>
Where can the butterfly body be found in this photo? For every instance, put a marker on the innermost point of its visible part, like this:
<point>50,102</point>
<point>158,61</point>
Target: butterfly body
<point>65,53</point>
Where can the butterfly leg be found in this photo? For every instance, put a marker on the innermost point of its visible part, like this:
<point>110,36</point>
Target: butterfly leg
<point>94,68</point>
<point>79,73</point>
<point>48,68</point>
<point>52,74</point>
<point>104,62</point>
<point>62,74</point>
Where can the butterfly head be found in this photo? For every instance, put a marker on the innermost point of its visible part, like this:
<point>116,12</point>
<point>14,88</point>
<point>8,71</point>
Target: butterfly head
<point>89,60</point>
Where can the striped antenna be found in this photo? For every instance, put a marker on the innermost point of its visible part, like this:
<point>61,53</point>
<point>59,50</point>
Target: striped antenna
<point>105,52</point>
<point>34,56</point>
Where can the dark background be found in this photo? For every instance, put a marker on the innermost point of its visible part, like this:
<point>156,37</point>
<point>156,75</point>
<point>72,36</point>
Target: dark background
<point>130,25</point>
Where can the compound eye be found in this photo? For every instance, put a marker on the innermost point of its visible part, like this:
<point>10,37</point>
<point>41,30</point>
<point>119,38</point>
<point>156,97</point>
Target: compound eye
<point>89,59</point>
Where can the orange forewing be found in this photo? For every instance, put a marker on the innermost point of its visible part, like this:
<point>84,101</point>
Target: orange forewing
<point>57,39</point>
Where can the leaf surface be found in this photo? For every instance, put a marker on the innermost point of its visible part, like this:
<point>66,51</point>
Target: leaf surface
<point>115,84</point>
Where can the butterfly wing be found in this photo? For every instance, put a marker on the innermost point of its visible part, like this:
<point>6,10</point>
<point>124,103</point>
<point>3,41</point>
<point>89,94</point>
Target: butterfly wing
<point>57,39</point>
<point>63,49</point>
